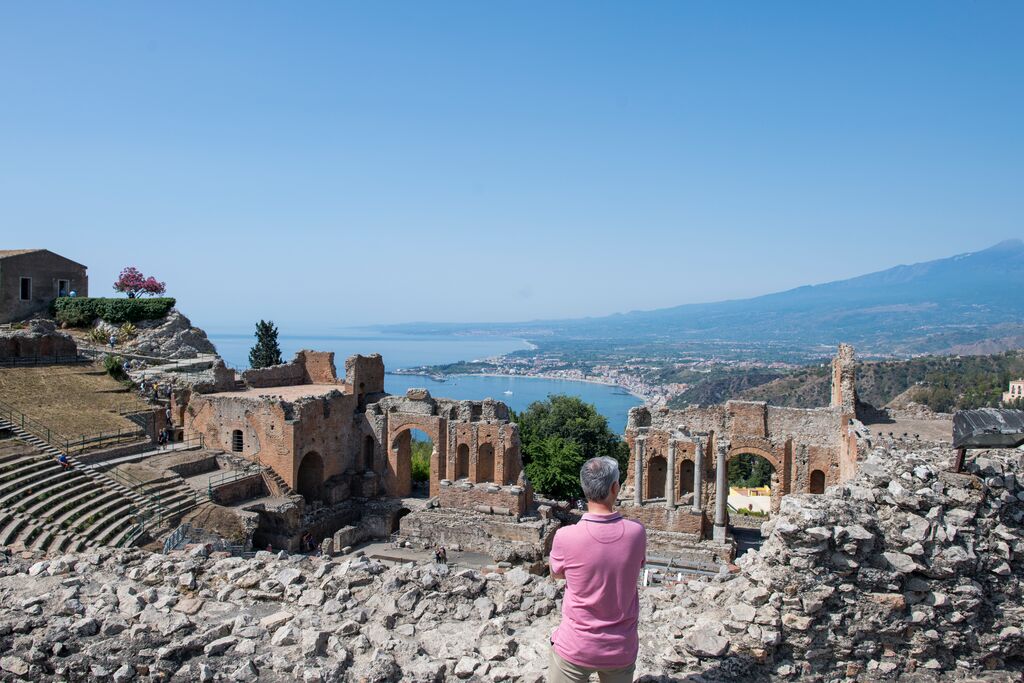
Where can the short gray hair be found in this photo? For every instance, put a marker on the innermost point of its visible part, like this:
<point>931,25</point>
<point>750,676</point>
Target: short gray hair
<point>597,476</point>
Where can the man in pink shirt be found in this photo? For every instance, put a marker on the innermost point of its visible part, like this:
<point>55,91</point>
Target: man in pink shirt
<point>600,559</point>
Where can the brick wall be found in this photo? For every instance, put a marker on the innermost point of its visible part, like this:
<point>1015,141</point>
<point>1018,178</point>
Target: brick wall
<point>654,516</point>
<point>471,497</point>
<point>245,488</point>
<point>286,374</point>
<point>318,366</point>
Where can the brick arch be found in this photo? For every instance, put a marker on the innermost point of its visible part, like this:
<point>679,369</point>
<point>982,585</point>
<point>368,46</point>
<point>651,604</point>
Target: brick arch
<point>398,477</point>
<point>778,463</point>
<point>773,459</point>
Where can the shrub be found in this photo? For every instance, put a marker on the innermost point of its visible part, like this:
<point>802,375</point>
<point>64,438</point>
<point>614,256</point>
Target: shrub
<point>128,331</point>
<point>98,335</point>
<point>81,311</point>
<point>114,365</point>
<point>75,311</point>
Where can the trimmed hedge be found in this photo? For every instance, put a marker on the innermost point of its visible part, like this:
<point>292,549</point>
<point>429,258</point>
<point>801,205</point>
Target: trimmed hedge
<point>81,311</point>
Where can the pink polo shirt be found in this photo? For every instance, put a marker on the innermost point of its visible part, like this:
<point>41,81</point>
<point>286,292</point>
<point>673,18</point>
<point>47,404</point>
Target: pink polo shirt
<point>601,558</point>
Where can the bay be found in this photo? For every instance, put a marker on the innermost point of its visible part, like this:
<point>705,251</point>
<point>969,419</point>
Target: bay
<point>409,351</point>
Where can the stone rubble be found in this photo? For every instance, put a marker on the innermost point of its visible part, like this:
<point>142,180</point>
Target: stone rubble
<point>905,572</point>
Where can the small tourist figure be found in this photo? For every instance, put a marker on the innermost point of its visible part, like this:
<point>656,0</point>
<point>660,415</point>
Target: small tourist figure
<point>113,341</point>
<point>307,542</point>
<point>441,555</point>
<point>167,415</point>
<point>270,548</point>
<point>161,439</point>
<point>63,460</point>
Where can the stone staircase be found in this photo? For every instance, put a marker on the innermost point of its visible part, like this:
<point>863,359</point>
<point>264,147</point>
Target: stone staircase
<point>276,482</point>
<point>49,508</point>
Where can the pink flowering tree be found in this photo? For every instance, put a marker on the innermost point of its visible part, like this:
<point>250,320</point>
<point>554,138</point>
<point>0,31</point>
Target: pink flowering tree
<point>133,283</point>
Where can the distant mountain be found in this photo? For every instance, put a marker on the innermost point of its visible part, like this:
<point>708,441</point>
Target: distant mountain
<point>968,301</point>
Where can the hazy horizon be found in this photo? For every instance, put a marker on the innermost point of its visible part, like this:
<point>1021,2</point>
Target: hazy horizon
<point>332,166</point>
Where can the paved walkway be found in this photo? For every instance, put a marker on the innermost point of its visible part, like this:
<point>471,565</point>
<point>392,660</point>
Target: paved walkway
<point>385,550</point>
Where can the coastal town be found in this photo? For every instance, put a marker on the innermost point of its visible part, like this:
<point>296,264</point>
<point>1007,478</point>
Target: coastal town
<point>648,378</point>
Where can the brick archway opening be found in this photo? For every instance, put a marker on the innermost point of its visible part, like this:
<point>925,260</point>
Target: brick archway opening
<point>686,478</point>
<point>817,481</point>
<point>411,449</point>
<point>751,469</point>
<point>657,469</point>
<point>369,445</point>
<point>485,464</point>
<point>462,462</point>
<point>310,478</point>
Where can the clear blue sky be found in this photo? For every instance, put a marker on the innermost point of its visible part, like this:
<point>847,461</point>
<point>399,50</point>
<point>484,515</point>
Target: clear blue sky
<point>328,164</point>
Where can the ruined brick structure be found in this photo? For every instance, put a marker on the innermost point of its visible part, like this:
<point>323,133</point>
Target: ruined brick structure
<point>333,440</point>
<point>679,458</point>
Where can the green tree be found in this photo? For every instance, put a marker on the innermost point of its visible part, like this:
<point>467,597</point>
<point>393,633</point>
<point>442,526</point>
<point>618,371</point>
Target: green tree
<point>558,435</point>
<point>266,352</point>
<point>746,469</point>
<point>421,451</point>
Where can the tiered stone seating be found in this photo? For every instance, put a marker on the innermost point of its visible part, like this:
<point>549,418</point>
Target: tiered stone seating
<point>45,507</point>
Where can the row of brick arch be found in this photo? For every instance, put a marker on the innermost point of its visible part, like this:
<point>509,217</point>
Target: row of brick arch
<point>657,476</point>
<point>485,461</point>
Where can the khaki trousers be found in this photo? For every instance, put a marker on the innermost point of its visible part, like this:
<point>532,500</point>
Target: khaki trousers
<point>561,671</point>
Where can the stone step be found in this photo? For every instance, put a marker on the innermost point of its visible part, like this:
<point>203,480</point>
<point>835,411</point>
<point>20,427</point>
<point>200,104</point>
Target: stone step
<point>12,530</point>
<point>81,506</point>
<point>112,515</point>
<point>23,459</point>
<point>67,489</point>
<point>12,479</point>
<point>41,488</point>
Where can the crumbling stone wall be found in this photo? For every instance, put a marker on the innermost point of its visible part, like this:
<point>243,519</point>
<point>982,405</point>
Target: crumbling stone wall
<point>844,381</point>
<point>473,441</point>
<point>808,449</point>
<point>40,339</point>
<point>308,367</point>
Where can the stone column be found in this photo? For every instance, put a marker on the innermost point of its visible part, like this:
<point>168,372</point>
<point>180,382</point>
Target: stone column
<point>698,476</point>
<point>721,494</point>
<point>638,470</point>
<point>670,476</point>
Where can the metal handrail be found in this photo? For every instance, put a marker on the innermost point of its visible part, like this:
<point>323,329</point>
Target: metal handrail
<point>42,360</point>
<point>233,476</point>
<point>61,442</point>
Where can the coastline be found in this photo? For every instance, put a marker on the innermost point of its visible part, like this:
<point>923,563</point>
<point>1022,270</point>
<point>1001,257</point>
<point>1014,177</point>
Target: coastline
<point>441,378</point>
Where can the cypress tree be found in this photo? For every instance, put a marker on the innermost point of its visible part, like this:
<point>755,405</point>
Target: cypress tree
<point>266,352</point>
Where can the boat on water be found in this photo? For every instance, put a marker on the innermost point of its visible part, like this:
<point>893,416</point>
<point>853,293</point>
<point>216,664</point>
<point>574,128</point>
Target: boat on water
<point>507,392</point>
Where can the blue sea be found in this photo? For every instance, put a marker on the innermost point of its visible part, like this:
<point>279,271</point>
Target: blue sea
<point>409,351</point>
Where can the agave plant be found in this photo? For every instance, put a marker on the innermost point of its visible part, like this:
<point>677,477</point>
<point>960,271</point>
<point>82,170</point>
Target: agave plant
<point>128,331</point>
<point>98,335</point>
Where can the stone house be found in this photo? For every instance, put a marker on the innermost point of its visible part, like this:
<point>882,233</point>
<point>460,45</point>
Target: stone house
<point>30,279</point>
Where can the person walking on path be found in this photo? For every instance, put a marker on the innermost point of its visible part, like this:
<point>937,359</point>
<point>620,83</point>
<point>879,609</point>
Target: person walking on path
<point>600,559</point>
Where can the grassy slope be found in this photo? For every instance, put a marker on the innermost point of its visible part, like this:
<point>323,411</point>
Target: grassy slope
<point>71,399</point>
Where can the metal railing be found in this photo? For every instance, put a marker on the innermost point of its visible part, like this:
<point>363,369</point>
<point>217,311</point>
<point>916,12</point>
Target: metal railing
<point>69,446</point>
<point>186,533</point>
<point>42,360</point>
<point>232,476</point>
<point>173,364</point>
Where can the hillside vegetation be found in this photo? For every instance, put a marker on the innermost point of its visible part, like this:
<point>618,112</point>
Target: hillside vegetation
<point>943,383</point>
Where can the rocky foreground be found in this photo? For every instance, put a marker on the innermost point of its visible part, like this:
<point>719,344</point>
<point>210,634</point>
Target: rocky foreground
<point>907,572</point>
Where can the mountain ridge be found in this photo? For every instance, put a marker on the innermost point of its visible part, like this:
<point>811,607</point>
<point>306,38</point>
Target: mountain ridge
<point>954,302</point>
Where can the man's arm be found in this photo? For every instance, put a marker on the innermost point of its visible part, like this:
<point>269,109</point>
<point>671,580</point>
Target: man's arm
<point>556,560</point>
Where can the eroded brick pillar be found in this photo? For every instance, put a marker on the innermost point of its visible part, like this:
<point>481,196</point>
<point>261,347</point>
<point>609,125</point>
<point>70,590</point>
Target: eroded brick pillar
<point>638,471</point>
